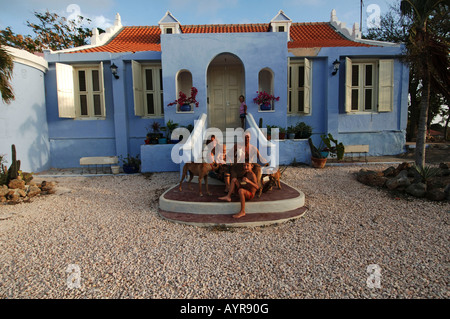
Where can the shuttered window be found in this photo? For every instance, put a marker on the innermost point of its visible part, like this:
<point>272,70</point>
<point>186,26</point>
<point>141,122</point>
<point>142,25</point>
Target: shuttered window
<point>369,85</point>
<point>81,92</point>
<point>299,86</point>
<point>147,90</point>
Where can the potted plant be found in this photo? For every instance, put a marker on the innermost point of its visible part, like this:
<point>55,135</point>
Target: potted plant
<point>264,100</point>
<point>282,133</point>
<point>171,126</point>
<point>152,137</point>
<point>185,102</point>
<point>335,151</point>
<point>291,132</point>
<point>130,164</point>
<point>302,130</point>
<point>319,154</point>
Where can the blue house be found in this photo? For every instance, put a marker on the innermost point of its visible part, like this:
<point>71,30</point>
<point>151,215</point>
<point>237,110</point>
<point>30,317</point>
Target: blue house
<point>325,75</point>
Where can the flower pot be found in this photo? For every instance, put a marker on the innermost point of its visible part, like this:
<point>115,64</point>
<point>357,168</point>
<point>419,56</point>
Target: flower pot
<point>282,136</point>
<point>291,136</point>
<point>115,169</point>
<point>185,108</point>
<point>318,162</point>
<point>162,140</point>
<point>265,107</point>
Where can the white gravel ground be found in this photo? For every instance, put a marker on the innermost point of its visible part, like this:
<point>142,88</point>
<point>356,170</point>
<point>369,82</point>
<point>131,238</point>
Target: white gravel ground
<point>109,227</point>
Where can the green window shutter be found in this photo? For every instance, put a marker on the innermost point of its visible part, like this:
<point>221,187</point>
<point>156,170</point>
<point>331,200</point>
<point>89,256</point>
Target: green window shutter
<point>348,85</point>
<point>307,87</point>
<point>65,90</point>
<point>137,89</point>
<point>386,86</point>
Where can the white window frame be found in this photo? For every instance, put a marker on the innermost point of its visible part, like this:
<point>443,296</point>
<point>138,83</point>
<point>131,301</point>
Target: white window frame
<point>382,85</point>
<point>294,88</point>
<point>89,92</point>
<point>67,81</point>
<point>141,93</point>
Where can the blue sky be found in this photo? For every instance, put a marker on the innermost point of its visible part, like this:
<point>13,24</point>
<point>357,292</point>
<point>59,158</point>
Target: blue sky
<point>15,13</point>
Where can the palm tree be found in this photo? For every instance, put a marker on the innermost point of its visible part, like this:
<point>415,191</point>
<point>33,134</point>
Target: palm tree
<point>429,55</point>
<point>6,68</point>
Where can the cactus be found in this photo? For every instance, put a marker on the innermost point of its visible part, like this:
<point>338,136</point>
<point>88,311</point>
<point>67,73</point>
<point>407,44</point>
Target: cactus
<point>13,170</point>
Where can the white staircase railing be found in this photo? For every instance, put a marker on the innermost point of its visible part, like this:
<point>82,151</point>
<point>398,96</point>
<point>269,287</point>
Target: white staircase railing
<point>264,145</point>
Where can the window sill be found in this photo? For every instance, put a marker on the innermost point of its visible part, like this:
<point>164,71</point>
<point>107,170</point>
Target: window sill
<point>152,117</point>
<point>90,118</point>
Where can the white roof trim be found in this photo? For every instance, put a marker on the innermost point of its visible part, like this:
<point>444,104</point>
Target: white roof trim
<point>27,58</point>
<point>354,34</point>
<point>168,19</point>
<point>281,17</point>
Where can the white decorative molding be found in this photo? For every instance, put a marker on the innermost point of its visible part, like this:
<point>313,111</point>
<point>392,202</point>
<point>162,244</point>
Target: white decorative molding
<point>169,22</point>
<point>352,34</point>
<point>281,20</point>
<point>27,58</point>
<point>100,39</point>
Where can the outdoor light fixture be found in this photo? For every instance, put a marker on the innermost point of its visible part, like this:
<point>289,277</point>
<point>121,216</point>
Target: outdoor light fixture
<point>336,64</point>
<point>114,70</point>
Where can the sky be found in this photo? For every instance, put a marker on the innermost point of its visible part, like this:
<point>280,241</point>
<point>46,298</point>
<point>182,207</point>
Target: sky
<point>15,13</point>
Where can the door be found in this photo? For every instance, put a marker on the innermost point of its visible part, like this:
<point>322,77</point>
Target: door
<point>224,91</point>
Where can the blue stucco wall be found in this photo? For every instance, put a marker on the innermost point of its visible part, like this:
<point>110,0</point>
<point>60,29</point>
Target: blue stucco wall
<point>23,122</point>
<point>385,133</point>
<point>122,132</point>
<point>194,52</point>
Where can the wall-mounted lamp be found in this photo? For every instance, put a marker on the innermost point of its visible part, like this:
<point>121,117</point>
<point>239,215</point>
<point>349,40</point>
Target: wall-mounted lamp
<point>336,64</point>
<point>114,68</point>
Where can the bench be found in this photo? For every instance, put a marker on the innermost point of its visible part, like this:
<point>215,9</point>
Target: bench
<point>357,149</point>
<point>98,160</point>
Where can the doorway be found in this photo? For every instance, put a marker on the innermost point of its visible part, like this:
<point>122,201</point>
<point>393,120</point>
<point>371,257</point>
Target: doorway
<point>225,80</point>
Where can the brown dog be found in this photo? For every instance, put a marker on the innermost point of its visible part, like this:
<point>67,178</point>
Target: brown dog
<point>274,180</point>
<point>197,169</point>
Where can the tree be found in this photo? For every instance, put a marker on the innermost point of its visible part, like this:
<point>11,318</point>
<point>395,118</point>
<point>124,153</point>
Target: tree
<point>428,53</point>
<point>52,32</point>
<point>394,28</point>
<point>6,69</point>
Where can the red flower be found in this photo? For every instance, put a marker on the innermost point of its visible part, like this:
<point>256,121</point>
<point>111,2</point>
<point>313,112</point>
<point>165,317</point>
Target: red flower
<point>183,99</point>
<point>265,98</point>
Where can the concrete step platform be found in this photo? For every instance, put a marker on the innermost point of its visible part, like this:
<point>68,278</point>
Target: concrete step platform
<point>187,207</point>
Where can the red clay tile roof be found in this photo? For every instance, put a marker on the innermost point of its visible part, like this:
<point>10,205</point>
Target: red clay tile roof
<point>319,34</point>
<point>303,35</point>
<point>131,39</point>
<point>225,28</point>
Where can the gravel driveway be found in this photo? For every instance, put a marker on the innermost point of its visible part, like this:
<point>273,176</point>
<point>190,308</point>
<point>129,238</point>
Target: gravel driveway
<point>107,232</point>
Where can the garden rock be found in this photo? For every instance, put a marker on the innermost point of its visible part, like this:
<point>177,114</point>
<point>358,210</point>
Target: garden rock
<point>371,178</point>
<point>417,189</point>
<point>390,171</point>
<point>447,191</point>
<point>33,191</point>
<point>401,180</point>
<point>16,184</point>
<point>4,191</point>
<point>436,194</point>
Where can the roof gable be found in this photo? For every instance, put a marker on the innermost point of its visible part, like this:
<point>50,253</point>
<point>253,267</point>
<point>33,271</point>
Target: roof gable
<point>281,17</point>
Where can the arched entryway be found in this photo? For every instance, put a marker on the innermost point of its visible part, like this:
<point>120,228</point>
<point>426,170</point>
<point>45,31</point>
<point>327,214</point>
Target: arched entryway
<point>226,82</point>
